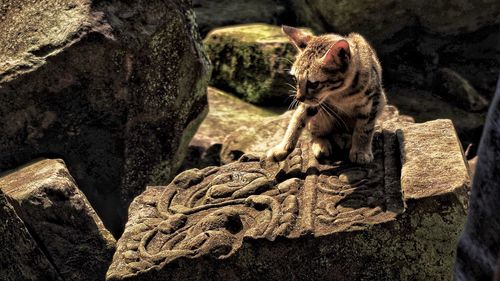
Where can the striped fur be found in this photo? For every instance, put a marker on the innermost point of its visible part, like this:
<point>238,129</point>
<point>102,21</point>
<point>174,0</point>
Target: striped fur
<point>339,86</point>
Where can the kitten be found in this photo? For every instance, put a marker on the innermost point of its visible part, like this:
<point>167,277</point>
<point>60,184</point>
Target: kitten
<point>339,89</point>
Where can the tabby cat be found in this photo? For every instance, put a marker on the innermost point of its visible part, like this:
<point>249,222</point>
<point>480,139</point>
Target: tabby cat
<point>339,93</point>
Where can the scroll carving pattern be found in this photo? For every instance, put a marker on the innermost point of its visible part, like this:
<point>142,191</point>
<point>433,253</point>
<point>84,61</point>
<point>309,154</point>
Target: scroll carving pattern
<point>211,211</point>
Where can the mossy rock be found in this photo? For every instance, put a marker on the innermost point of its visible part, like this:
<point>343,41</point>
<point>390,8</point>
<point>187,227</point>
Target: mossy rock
<point>251,61</point>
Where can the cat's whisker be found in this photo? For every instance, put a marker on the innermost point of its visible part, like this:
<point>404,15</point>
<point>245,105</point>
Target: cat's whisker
<point>335,114</point>
<point>291,104</point>
<point>296,104</point>
<point>328,114</point>
<point>339,109</point>
<point>285,59</point>
<point>293,87</point>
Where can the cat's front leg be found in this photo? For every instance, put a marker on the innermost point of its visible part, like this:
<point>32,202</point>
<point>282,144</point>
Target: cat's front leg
<point>292,134</point>
<point>361,145</point>
<point>361,149</point>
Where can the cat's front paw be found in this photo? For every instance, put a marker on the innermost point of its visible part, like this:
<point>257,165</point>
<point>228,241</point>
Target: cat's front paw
<point>360,157</point>
<point>321,148</point>
<point>277,153</point>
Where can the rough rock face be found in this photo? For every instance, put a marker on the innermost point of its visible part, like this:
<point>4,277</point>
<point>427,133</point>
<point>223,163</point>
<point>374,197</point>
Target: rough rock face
<point>115,88</point>
<point>304,220</point>
<point>251,61</point>
<point>215,13</point>
<point>20,257</point>
<point>47,199</point>
<point>258,138</point>
<point>479,246</point>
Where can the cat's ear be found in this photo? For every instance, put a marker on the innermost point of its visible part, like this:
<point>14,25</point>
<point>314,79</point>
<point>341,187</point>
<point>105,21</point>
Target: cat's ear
<point>338,55</point>
<point>299,38</point>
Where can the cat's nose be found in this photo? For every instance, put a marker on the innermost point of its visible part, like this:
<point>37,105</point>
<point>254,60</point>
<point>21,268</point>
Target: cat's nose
<point>301,98</point>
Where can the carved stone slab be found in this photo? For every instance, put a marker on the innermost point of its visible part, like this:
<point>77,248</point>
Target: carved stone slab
<point>296,220</point>
<point>57,213</point>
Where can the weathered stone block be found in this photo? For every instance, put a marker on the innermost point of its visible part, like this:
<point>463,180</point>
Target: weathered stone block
<point>46,198</point>
<point>429,163</point>
<point>251,61</point>
<point>302,219</point>
<point>115,88</point>
<point>20,256</point>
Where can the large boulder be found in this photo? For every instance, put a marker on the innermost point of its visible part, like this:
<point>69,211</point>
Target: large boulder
<point>252,61</point>
<point>115,88</point>
<point>305,220</point>
<point>20,256</point>
<point>47,199</point>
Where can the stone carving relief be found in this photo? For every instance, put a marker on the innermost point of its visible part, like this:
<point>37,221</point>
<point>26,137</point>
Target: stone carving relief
<point>211,211</point>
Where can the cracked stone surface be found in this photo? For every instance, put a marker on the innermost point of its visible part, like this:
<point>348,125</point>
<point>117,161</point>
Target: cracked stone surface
<point>46,198</point>
<point>303,219</point>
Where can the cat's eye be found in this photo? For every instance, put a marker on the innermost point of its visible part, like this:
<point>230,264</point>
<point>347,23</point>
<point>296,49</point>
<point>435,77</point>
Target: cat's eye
<point>312,85</point>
